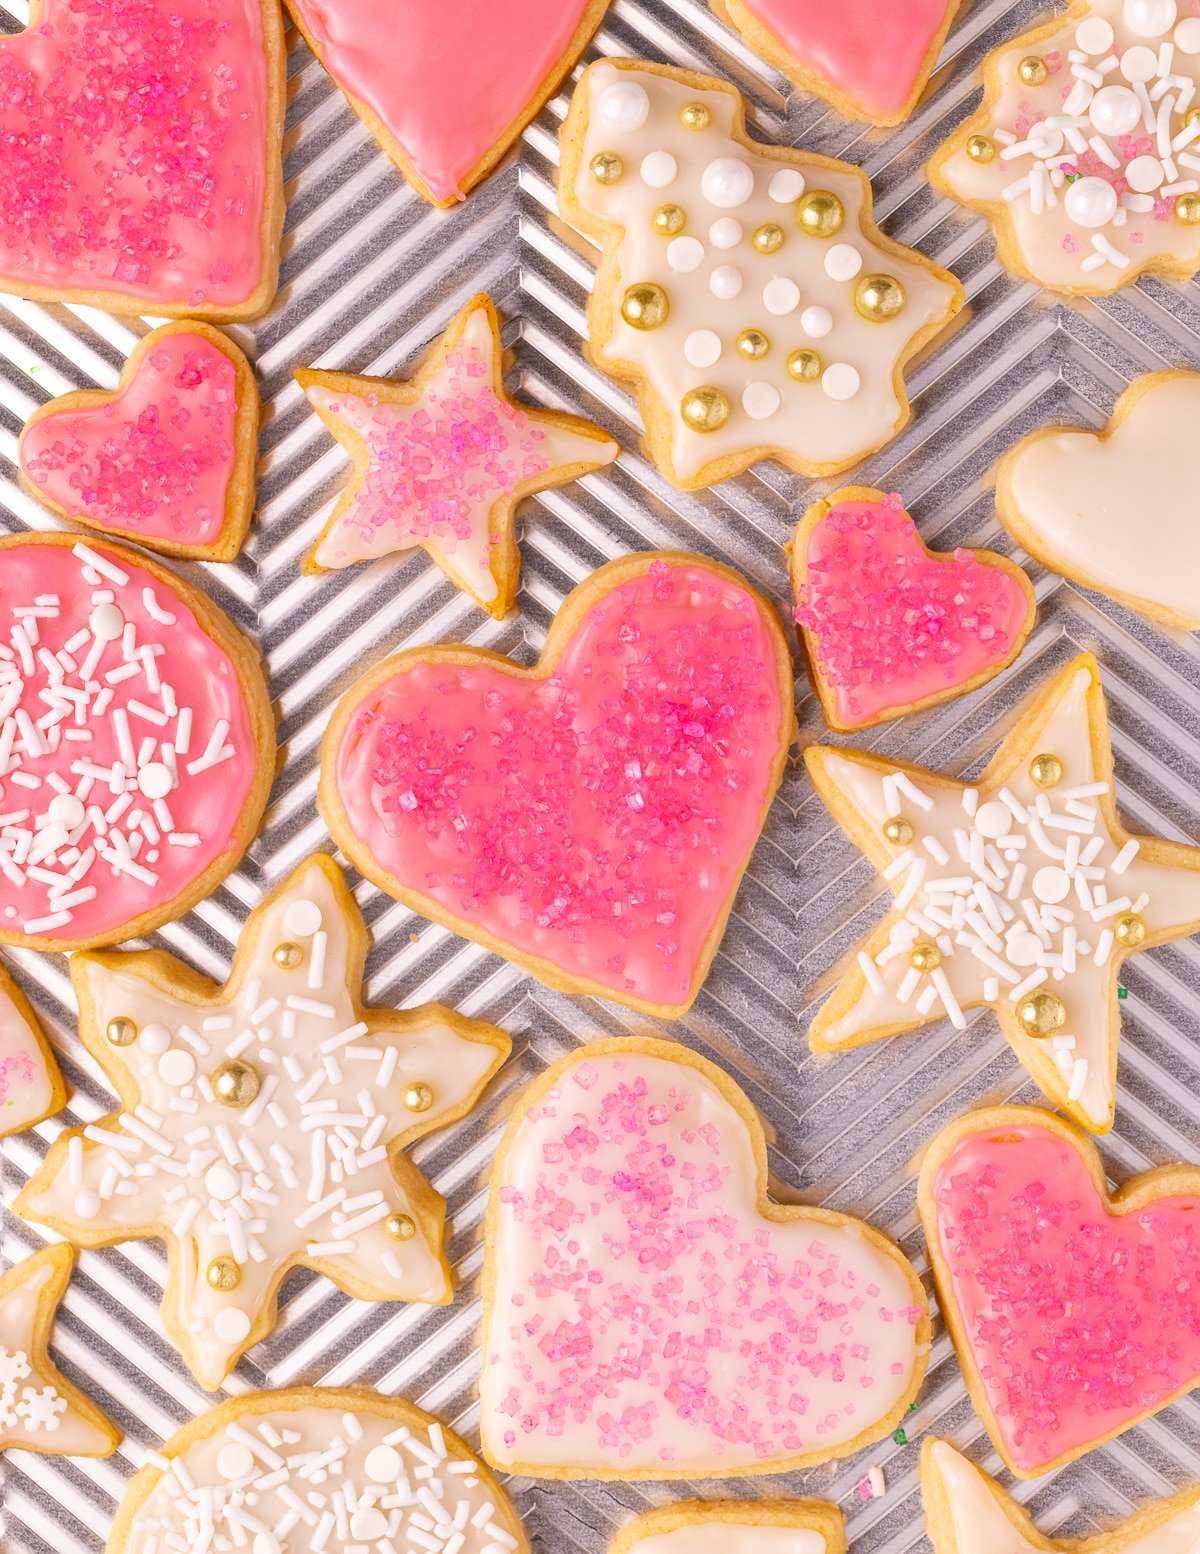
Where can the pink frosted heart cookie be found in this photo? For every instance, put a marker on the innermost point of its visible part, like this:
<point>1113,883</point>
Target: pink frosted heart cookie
<point>649,1313</point>
<point>890,627</point>
<point>446,114</point>
<point>589,818</point>
<point>167,460</point>
<point>1074,1314</point>
<point>137,743</point>
<point>31,1087</point>
<point>143,167</point>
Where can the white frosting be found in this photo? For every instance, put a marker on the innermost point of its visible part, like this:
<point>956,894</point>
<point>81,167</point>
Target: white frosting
<point>26,1086</point>
<point>732,1538</point>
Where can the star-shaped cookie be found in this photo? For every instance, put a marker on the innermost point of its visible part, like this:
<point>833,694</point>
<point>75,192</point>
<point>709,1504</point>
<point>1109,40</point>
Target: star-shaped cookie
<point>262,1123</point>
<point>1021,891</point>
<point>443,461</point>
<point>39,1408</point>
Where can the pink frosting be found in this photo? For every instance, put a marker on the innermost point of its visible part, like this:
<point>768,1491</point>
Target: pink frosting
<point>596,819</point>
<point>17,1073</point>
<point>1078,1320</point>
<point>447,80</point>
<point>871,50</point>
<point>135,149</point>
<point>156,460</point>
<point>134,852</point>
<point>892,625</point>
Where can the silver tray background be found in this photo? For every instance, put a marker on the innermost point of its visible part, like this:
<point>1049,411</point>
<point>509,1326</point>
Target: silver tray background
<point>370,275</point>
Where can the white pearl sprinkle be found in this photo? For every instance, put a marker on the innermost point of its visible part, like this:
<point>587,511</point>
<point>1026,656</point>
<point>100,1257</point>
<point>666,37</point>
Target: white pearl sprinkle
<point>685,254</point>
<point>725,282</point>
<point>383,1464</point>
<point>302,918</point>
<point>155,780</point>
<point>222,1182</point>
<point>231,1325</point>
<point>1094,35</point>
<point>702,348</point>
<point>659,170</point>
<point>840,381</point>
<point>781,296</point>
<point>993,820</point>
<point>725,232</point>
<point>154,1038</point>
<point>727,183</point>
<point>1187,35</point>
<point>842,262</point>
<point>87,1204</point>
<point>234,1460</point>
<point>1144,174</point>
<point>1139,64</point>
<point>1150,18</point>
<point>786,185</point>
<point>760,400</point>
<point>66,810</point>
<point>176,1067</point>
<point>106,622</point>
<point>1052,884</point>
<point>623,106</point>
<point>816,322</point>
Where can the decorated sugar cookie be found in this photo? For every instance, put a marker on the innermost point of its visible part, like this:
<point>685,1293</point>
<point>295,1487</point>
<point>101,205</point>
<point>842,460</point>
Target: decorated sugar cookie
<point>447,114</point>
<point>276,1472</point>
<point>869,61</point>
<point>166,461</point>
<point>1084,153</point>
<point>1117,510</point>
<point>31,1087</point>
<point>736,1527</point>
<point>589,818</point>
<point>744,291</point>
<point>1021,891</point>
<point>143,169</point>
<point>890,627</point>
<point>966,1512</point>
<point>262,1124</point>
<point>137,744</point>
<point>443,462</point>
<point>39,1408</point>
<point>1074,1314</point>
<point>649,1313</point>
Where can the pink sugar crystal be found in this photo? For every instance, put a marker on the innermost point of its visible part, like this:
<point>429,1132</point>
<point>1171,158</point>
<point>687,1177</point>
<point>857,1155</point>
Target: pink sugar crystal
<point>16,1070</point>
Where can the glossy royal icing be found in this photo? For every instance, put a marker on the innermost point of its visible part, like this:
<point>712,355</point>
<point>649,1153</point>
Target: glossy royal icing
<point>30,1085</point>
<point>735,1527</point>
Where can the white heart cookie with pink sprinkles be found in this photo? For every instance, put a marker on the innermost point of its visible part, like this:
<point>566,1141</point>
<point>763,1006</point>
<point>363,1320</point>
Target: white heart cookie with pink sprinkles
<point>649,1313</point>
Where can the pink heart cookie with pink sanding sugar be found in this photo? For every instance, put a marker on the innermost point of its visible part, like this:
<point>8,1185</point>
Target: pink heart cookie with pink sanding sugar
<point>649,1313</point>
<point>1075,1314</point>
<point>890,627</point>
<point>589,818</point>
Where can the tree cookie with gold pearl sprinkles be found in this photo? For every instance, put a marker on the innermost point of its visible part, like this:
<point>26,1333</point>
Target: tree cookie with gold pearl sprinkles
<point>1085,153</point>
<point>1020,891</point>
<point>744,291</point>
<point>262,1125</point>
<point>316,1467</point>
<point>735,1527</point>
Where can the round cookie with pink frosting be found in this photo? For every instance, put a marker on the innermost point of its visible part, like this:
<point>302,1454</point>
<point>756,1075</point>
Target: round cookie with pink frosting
<point>167,460</point>
<point>137,743</point>
<point>890,627</point>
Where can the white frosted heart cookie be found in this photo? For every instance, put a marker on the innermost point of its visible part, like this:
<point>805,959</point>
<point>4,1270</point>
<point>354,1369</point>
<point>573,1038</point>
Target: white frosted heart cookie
<point>1117,510</point>
<point>649,1313</point>
<point>736,1527</point>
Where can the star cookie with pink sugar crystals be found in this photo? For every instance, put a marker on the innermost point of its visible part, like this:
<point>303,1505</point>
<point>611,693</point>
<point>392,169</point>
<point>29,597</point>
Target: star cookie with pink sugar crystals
<point>442,463</point>
<point>31,1086</point>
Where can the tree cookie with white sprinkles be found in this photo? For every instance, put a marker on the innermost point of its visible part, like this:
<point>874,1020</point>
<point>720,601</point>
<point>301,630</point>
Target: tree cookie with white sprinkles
<point>743,290</point>
<point>1020,891</point>
<point>1085,154</point>
<point>262,1124</point>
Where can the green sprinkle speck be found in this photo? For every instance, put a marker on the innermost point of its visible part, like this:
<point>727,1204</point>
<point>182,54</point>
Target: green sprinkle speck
<point>1122,992</point>
<point>901,1437</point>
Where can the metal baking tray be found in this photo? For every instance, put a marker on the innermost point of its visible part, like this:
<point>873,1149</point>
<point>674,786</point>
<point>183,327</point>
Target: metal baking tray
<point>370,275</point>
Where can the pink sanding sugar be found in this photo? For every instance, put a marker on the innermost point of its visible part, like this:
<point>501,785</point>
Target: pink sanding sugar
<point>16,1070</point>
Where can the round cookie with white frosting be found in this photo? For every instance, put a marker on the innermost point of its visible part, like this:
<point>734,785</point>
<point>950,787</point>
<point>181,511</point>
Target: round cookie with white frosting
<point>744,291</point>
<point>736,1527</point>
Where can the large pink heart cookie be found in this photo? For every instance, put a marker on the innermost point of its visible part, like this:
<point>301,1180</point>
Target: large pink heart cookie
<point>1075,1315</point>
<point>650,1314</point>
<point>168,460</point>
<point>589,818</point>
<point>142,164</point>
<point>890,627</point>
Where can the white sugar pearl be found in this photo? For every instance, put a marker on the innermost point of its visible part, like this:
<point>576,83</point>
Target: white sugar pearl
<point>1115,110</point>
<point>1091,202</point>
<point>222,1182</point>
<point>702,348</point>
<point>155,780</point>
<point>368,1524</point>
<point>760,400</point>
<point>176,1067</point>
<point>1052,884</point>
<point>623,106</point>
<point>725,282</point>
<point>66,810</point>
<point>781,296</point>
<point>383,1464</point>
<point>1187,35</point>
<point>1094,35</point>
<point>1150,18</point>
<point>842,262</point>
<point>727,183</point>
<point>302,918</point>
<point>685,254</point>
<point>1048,142</point>
<point>1139,64</point>
<point>1144,174</point>
<point>840,381</point>
<point>106,622</point>
<point>725,233</point>
<point>659,170</point>
<point>87,1204</point>
<point>1023,949</point>
<point>235,1460</point>
<point>231,1325</point>
<point>816,322</point>
<point>154,1038</point>
<point>993,820</point>
<point>786,185</point>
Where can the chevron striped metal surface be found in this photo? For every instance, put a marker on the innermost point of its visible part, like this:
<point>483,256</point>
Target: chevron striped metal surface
<point>370,274</point>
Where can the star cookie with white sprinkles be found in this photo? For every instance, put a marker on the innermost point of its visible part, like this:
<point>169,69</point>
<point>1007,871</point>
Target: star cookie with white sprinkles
<point>1020,891</point>
<point>39,1409</point>
<point>262,1123</point>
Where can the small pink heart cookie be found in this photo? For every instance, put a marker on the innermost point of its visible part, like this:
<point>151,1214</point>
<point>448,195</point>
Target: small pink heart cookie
<point>142,156</point>
<point>890,627</point>
<point>1074,1314</point>
<point>589,818</point>
<point>167,460</point>
<point>649,1313</point>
